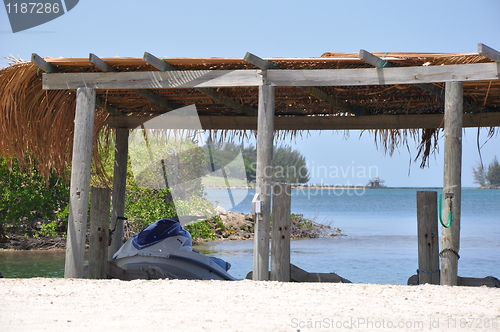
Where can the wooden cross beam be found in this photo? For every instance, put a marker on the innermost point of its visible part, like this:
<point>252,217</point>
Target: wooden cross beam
<point>311,90</point>
<point>377,62</point>
<point>148,94</point>
<point>162,65</point>
<point>49,68</point>
<point>289,77</point>
<point>488,52</point>
<point>432,89</point>
<point>214,122</point>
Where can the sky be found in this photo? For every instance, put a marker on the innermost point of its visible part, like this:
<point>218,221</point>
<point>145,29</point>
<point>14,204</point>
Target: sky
<point>272,28</point>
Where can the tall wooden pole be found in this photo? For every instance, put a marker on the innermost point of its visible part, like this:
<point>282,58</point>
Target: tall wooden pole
<point>450,237</point>
<point>428,244</point>
<point>80,182</point>
<point>119,187</point>
<point>265,136</point>
<point>280,245</point>
<point>98,240</point>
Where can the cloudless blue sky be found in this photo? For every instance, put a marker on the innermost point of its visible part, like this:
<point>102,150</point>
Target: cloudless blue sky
<point>280,29</point>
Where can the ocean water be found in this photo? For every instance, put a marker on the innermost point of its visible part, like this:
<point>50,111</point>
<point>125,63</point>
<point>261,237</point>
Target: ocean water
<point>380,245</point>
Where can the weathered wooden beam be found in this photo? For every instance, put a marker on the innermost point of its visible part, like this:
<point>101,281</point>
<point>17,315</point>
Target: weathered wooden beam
<point>153,80</point>
<point>469,103</point>
<point>373,60</point>
<point>385,76</point>
<point>491,119</point>
<point>311,90</point>
<point>150,95</point>
<point>276,77</point>
<point>101,64</point>
<point>265,137</point>
<point>210,92</point>
<point>259,62</point>
<point>119,190</point>
<point>49,68</point>
<point>464,281</point>
<point>299,275</point>
<point>80,182</point>
<point>99,229</point>
<point>452,183</point>
<point>280,235</point>
<point>377,62</point>
<point>428,237</point>
<point>158,63</point>
<point>488,52</point>
<point>44,65</point>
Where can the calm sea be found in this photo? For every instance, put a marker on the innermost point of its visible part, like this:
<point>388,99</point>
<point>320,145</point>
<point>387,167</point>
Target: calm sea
<point>380,246</point>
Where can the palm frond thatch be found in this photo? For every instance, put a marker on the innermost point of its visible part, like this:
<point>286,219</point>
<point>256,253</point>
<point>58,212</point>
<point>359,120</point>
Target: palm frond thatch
<point>37,125</point>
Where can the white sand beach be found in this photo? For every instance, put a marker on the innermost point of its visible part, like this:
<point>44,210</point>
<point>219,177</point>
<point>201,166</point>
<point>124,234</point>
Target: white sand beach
<point>42,304</point>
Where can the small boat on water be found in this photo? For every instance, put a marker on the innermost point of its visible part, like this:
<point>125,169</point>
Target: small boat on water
<point>166,245</point>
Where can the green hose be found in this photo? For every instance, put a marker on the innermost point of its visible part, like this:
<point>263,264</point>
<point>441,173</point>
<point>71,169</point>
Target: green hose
<point>450,214</point>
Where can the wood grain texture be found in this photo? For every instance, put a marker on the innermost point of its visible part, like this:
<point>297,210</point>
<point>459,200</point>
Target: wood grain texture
<point>265,138</point>
<point>452,184</point>
<point>280,235</point>
<point>153,80</point>
<point>99,231</point>
<point>119,188</point>
<point>491,119</point>
<point>428,237</point>
<point>80,182</point>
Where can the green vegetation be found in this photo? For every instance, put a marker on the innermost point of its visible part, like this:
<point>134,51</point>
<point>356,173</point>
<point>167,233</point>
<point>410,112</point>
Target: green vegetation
<point>289,165</point>
<point>487,177</point>
<point>26,198</point>
<point>35,206</point>
<point>201,230</point>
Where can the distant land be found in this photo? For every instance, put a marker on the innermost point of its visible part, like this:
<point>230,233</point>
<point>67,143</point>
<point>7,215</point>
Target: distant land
<point>215,182</point>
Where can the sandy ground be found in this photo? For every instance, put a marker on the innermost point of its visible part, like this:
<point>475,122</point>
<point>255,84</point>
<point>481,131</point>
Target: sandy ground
<point>42,304</point>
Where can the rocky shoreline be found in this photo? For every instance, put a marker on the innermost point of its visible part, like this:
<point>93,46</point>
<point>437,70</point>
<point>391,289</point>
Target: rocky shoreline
<point>237,226</point>
<point>227,226</point>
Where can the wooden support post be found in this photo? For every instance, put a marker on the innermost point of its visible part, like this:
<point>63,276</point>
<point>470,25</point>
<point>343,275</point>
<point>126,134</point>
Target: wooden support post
<point>265,136</point>
<point>428,245</point>
<point>119,187</point>
<point>450,237</point>
<point>99,223</point>
<point>80,182</point>
<point>280,245</point>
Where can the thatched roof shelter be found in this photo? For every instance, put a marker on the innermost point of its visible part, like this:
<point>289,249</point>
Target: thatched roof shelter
<point>399,95</point>
<point>39,123</point>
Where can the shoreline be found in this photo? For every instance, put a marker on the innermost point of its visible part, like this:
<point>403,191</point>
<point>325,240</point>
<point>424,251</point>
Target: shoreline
<point>226,226</point>
<point>341,187</point>
<point>45,304</point>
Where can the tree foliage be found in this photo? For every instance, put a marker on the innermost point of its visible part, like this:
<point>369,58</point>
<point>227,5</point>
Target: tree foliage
<point>289,166</point>
<point>493,175</point>
<point>27,197</point>
<point>479,174</point>
<point>487,175</point>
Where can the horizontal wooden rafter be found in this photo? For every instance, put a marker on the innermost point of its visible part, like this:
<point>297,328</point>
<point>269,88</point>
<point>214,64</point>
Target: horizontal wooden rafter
<point>311,90</point>
<point>153,80</point>
<point>488,52</point>
<point>148,94</point>
<point>432,89</point>
<point>242,78</point>
<point>385,76</point>
<point>314,122</point>
<point>374,60</point>
<point>210,92</point>
<point>49,68</point>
